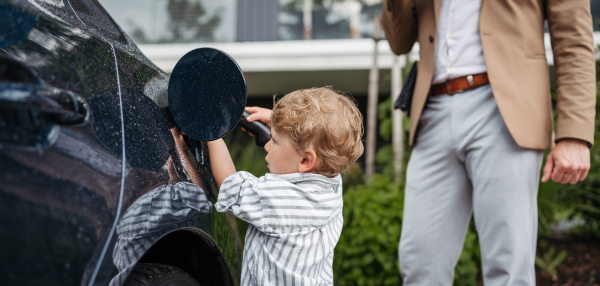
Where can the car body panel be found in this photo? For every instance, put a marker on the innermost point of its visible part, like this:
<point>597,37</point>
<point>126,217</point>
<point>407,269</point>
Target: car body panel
<point>60,201</point>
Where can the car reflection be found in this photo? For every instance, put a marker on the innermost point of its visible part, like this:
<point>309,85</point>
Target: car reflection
<point>159,206</point>
<point>157,212</point>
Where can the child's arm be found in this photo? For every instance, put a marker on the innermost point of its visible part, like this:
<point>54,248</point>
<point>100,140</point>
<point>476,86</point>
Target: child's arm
<point>220,161</point>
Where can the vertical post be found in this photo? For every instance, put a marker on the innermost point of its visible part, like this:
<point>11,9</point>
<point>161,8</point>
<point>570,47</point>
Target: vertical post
<point>372,105</point>
<point>354,8</point>
<point>307,19</point>
<point>397,130</point>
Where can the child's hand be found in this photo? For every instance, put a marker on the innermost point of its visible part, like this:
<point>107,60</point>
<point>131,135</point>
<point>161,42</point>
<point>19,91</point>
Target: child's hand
<point>258,113</point>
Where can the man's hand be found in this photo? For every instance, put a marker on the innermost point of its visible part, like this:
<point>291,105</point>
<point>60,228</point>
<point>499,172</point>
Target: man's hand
<point>568,162</point>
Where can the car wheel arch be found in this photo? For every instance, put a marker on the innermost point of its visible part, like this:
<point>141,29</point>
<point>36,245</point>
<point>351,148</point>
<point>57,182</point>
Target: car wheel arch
<point>193,251</point>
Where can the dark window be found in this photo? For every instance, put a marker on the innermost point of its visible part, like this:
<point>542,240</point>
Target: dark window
<point>595,7</point>
<point>257,20</point>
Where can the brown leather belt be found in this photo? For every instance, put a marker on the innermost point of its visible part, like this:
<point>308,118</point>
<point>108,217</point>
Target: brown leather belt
<point>460,84</point>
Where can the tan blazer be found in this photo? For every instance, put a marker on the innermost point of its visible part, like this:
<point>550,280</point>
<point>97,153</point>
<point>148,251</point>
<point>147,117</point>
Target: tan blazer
<point>512,36</point>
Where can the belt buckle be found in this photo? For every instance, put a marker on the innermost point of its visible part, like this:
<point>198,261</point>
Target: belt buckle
<point>448,88</point>
<point>469,80</point>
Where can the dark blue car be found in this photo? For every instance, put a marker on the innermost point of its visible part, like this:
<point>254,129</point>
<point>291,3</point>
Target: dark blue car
<point>98,184</point>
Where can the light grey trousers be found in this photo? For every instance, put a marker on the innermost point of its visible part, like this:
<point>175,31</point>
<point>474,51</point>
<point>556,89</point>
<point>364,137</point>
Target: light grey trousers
<point>465,161</point>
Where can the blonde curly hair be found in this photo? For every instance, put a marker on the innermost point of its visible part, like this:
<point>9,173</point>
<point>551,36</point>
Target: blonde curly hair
<point>325,121</point>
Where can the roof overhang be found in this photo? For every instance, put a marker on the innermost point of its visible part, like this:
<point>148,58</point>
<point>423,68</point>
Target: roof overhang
<point>311,55</point>
<point>284,66</point>
<point>306,55</point>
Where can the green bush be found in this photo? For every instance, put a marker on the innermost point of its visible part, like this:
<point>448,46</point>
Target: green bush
<point>367,252</point>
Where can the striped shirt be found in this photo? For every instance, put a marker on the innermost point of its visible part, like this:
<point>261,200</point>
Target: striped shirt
<point>295,222</point>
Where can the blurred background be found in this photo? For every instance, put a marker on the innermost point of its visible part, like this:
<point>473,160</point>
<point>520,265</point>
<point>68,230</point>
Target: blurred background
<point>285,45</point>
<point>268,39</point>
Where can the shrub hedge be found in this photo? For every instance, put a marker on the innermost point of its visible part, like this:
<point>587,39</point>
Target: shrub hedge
<point>367,252</point>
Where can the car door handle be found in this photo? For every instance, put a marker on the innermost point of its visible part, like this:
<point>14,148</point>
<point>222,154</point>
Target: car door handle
<point>59,106</point>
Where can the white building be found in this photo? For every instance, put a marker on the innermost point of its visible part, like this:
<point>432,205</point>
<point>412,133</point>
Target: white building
<point>265,37</point>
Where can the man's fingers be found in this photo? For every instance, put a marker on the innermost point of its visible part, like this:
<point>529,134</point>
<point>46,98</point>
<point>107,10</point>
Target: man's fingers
<point>571,160</point>
<point>575,178</point>
<point>567,177</point>
<point>560,169</point>
<point>574,172</point>
<point>548,168</point>
<point>584,172</point>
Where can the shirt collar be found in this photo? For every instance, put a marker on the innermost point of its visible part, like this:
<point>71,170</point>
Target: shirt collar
<point>300,177</point>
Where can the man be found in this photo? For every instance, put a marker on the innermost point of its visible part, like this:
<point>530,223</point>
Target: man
<point>480,119</point>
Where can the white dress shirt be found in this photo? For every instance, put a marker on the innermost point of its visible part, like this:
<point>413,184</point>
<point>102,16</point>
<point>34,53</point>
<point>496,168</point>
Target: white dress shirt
<point>458,50</point>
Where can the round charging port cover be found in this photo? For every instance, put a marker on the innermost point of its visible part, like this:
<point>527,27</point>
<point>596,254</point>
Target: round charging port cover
<point>207,94</point>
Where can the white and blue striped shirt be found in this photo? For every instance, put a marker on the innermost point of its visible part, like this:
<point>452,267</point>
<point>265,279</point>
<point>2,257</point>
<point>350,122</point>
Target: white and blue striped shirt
<point>295,223</point>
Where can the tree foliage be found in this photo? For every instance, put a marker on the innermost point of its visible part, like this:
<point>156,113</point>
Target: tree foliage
<point>187,21</point>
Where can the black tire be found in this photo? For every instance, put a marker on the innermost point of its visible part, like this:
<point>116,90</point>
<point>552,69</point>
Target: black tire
<point>154,274</point>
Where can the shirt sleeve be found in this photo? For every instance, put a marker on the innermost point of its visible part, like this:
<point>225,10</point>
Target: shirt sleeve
<point>239,196</point>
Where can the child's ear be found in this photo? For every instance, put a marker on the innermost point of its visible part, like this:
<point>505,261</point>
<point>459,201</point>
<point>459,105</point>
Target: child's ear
<point>308,162</point>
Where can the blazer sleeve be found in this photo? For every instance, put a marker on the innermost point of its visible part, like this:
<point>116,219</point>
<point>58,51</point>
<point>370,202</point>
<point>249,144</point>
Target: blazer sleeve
<point>571,34</point>
<point>399,21</point>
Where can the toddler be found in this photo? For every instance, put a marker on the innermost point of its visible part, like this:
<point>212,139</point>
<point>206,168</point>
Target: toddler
<point>295,211</point>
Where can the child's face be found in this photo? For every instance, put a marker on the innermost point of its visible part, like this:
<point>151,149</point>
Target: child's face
<point>282,157</point>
